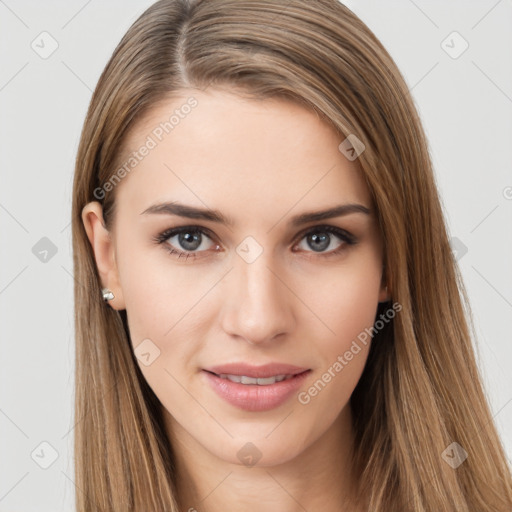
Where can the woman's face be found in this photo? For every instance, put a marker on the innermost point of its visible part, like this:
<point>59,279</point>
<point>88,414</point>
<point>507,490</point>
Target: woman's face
<point>247,283</point>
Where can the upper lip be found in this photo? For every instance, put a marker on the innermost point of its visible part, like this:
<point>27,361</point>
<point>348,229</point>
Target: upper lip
<point>266,370</point>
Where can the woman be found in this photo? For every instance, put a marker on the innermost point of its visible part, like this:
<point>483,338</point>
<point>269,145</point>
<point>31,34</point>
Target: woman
<point>268,312</point>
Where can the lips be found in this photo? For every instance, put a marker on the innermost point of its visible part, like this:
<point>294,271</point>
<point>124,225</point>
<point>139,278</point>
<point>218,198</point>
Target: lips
<point>255,388</point>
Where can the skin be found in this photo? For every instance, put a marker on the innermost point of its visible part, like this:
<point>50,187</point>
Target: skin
<point>260,163</point>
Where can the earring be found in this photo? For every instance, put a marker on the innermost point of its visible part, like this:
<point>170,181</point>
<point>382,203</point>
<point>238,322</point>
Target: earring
<point>107,294</point>
<point>386,300</point>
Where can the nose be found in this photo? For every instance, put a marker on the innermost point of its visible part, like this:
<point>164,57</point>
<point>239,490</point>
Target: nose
<point>258,306</point>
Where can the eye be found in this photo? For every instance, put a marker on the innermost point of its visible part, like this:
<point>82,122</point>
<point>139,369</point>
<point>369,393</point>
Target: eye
<point>187,240</point>
<point>321,238</point>
<point>191,240</point>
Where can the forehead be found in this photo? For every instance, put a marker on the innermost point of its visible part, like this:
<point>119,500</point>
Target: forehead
<point>220,150</point>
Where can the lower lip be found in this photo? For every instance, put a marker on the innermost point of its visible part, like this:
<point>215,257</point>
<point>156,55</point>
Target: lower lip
<point>253,397</point>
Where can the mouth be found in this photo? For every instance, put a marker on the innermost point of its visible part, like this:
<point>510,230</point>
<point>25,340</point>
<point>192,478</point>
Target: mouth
<point>256,388</point>
<point>260,381</point>
<point>269,370</point>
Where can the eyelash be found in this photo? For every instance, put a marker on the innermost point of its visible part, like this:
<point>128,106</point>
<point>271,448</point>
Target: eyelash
<point>162,238</point>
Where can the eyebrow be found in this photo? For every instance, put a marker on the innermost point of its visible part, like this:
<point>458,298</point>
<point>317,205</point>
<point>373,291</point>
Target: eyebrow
<point>192,212</point>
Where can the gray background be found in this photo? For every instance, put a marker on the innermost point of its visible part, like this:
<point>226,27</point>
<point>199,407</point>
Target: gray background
<point>466,107</point>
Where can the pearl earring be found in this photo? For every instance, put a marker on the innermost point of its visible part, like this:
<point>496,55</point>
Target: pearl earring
<point>107,294</point>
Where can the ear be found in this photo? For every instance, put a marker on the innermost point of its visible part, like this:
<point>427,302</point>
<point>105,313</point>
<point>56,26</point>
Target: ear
<point>104,251</point>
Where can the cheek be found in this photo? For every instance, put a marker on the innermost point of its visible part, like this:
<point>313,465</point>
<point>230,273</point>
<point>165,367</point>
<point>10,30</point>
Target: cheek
<point>159,299</point>
<point>347,304</point>
<point>346,298</point>
<point>157,293</point>
<point>350,314</point>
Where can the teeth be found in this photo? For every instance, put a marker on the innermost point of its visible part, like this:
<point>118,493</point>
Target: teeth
<point>242,379</point>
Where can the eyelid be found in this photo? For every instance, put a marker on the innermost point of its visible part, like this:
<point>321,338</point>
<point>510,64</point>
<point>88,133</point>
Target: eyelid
<point>328,228</point>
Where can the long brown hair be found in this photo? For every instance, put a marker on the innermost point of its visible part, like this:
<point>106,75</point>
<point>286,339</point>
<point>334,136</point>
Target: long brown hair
<point>420,390</point>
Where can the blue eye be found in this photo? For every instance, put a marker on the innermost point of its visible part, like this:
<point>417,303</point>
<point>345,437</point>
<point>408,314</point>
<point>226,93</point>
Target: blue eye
<point>191,240</point>
<point>189,237</point>
<point>320,238</point>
